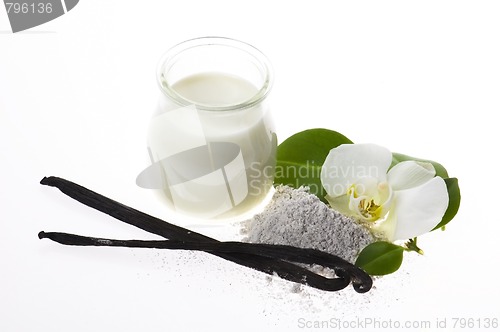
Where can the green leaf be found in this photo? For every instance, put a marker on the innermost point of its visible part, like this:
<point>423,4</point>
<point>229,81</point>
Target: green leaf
<point>440,170</point>
<point>380,258</point>
<point>300,157</point>
<point>454,201</point>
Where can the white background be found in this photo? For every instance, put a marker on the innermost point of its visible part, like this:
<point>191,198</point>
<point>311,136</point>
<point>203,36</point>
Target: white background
<point>76,94</point>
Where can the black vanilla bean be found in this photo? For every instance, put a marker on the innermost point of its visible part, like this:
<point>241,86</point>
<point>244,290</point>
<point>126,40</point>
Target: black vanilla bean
<point>266,258</point>
<point>288,253</point>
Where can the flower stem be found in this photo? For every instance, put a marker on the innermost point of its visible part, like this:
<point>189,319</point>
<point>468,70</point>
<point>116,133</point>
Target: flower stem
<point>411,245</point>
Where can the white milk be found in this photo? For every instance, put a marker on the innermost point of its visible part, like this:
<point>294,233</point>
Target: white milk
<point>216,163</point>
<point>215,89</point>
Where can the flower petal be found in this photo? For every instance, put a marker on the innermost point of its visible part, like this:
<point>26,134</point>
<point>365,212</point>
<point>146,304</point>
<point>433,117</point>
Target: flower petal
<point>349,162</point>
<point>410,174</point>
<point>340,204</point>
<point>416,211</point>
<point>366,186</point>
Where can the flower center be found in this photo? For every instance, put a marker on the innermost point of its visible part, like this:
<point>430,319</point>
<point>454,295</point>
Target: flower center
<point>368,209</point>
<point>368,202</point>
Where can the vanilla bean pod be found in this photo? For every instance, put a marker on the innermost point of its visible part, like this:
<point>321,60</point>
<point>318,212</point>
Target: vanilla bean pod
<point>288,253</point>
<point>268,259</point>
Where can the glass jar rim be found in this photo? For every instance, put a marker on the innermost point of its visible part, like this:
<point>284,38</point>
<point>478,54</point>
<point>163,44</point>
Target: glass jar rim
<point>261,94</point>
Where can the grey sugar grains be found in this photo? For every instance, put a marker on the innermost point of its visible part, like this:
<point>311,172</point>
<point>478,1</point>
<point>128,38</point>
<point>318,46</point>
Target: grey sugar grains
<point>297,218</point>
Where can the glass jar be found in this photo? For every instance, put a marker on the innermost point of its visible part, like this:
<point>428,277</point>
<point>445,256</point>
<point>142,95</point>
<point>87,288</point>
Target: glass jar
<point>211,141</point>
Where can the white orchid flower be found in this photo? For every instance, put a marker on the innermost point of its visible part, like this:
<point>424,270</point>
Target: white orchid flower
<point>404,202</point>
